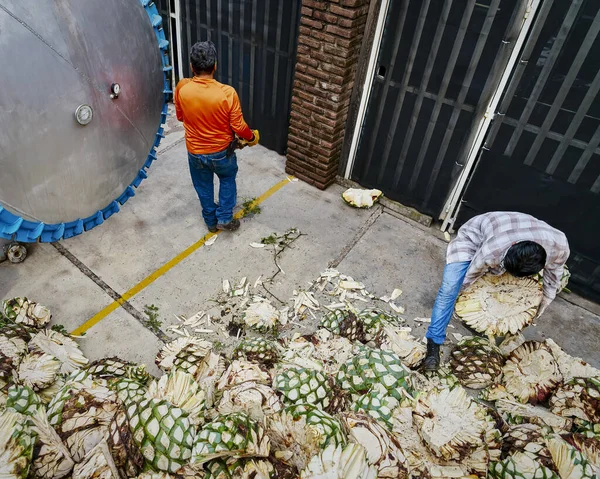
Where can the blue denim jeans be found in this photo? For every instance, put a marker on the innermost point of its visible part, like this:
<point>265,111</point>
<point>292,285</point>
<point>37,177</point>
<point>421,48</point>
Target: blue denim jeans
<point>202,169</point>
<point>454,275</point>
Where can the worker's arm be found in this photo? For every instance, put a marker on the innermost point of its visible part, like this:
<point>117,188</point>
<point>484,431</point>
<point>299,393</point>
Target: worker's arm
<point>236,119</point>
<point>553,273</point>
<point>176,100</point>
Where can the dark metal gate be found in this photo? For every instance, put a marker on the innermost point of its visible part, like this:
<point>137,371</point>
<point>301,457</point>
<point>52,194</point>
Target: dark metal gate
<point>256,43</point>
<point>439,62</point>
<point>542,153</point>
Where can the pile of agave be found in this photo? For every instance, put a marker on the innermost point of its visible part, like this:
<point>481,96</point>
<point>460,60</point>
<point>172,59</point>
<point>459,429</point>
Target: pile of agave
<point>345,402</point>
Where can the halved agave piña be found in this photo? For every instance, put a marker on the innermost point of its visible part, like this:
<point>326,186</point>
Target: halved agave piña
<point>580,398</point>
<point>239,469</point>
<point>450,423</point>
<point>299,432</point>
<point>383,450</point>
<point>256,400</point>
<point>345,323</point>
<point>570,463</point>
<point>16,445</point>
<point>128,390</point>
<point>240,371</point>
<point>476,362</point>
<point>181,390</point>
<point>231,435</point>
<point>261,316</point>
<point>530,373</point>
<point>497,305</point>
<point>38,370</point>
<point>360,198</point>
<point>166,356</point>
<point>377,403</point>
<point>62,347</point>
<point>348,462</point>
<point>28,313</point>
<point>23,399</point>
<point>520,465</point>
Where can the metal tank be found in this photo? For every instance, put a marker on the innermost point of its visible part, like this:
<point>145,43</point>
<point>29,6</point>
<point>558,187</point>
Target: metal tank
<point>82,104</point>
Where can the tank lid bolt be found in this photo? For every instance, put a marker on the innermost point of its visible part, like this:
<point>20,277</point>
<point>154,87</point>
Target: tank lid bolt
<point>115,90</point>
<point>84,114</point>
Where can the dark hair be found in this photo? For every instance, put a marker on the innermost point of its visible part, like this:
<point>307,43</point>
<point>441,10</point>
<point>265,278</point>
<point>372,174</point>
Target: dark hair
<point>203,57</point>
<point>525,258</point>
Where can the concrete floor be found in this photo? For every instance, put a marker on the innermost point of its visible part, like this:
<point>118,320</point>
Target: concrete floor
<point>163,219</point>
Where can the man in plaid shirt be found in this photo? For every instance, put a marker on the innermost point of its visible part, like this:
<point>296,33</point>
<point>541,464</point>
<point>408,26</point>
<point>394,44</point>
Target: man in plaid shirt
<point>495,242</point>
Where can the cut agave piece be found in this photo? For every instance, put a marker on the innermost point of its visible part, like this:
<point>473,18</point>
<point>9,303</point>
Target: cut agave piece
<point>163,433</point>
<point>232,435</point>
<point>494,392</point>
<point>65,349</point>
<point>580,398</point>
<point>586,428</point>
<point>299,432</point>
<point>569,366</point>
<point>256,400</point>
<point>564,280</point>
<point>383,450</point>
<point>528,438</point>
<point>531,373</point>
<point>476,362</point>
<point>349,462</point>
<point>588,446</point>
<point>28,313</point>
<point>98,463</point>
<point>109,368</point>
<point>257,350</point>
<point>399,340</point>
<point>240,371</point>
<point>520,465</point>
<point>180,389</point>
<point>378,404</point>
<point>125,452</point>
<point>166,356</point>
<point>12,349</point>
<point>128,390</point>
<point>16,445</point>
<point>346,324</point>
<point>207,373</point>
<point>304,386</point>
<point>51,458</point>
<point>261,316</point>
<point>497,305</point>
<point>516,413</point>
<point>361,198</point>
<point>238,469</point>
<point>510,343</point>
<point>23,400</point>
<point>570,463</point>
<point>38,370</point>
<point>450,423</point>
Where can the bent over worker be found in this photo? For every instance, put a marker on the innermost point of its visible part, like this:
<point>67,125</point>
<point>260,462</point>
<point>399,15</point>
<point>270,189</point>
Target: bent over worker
<point>495,242</point>
<point>213,122</point>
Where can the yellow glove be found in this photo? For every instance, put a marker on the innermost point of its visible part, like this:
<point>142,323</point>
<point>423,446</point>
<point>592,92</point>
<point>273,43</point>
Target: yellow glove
<point>255,140</point>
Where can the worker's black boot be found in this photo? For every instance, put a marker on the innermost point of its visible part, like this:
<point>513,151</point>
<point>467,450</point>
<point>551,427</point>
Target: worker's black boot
<point>432,360</point>
<point>231,226</point>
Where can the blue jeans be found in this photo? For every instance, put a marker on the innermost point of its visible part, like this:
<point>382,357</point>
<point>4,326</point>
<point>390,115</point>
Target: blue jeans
<point>202,169</point>
<point>454,275</point>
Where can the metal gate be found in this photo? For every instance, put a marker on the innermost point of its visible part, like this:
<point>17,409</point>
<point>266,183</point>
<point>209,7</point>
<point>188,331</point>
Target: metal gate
<point>439,62</point>
<point>542,154</point>
<point>256,44</point>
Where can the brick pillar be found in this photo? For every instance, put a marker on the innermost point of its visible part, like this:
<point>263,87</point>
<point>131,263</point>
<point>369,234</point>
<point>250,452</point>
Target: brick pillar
<point>329,42</point>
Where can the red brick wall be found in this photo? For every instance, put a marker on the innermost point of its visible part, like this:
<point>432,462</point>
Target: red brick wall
<point>329,42</point>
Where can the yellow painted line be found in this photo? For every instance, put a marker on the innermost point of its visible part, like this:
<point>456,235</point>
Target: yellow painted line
<point>148,280</point>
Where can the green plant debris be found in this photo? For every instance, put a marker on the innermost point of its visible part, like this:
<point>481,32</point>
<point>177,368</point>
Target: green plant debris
<point>250,207</point>
<point>218,346</point>
<point>60,329</point>
<point>153,322</point>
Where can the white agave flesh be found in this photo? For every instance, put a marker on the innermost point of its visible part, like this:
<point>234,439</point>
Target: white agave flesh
<point>16,444</point>
<point>97,464</point>
<point>256,400</point>
<point>339,462</point>
<point>209,371</point>
<point>450,423</point>
<point>240,371</point>
<point>181,390</point>
<point>360,198</point>
<point>38,370</point>
<point>405,345</point>
<point>534,415</point>
<point>381,447</point>
<point>51,459</point>
<point>261,315</point>
<point>569,366</point>
<point>510,343</point>
<point>530,373</point>
<point>570,463</point>
<point>13,348</point>
<point>168,353</point>
<point>65,349</point>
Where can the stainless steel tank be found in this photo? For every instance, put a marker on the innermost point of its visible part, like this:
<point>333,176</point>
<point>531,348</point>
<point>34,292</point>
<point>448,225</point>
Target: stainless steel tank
<point>82,104</point>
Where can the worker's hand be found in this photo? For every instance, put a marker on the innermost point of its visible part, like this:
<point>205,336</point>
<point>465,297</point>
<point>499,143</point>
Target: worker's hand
<point>543,305</point>
<point>254,141</point>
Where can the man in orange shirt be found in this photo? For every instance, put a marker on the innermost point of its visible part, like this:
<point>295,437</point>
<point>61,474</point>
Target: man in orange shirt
<point>212,115</point>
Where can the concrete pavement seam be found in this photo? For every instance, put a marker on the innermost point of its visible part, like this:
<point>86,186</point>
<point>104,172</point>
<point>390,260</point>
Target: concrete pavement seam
<point>127,306</point>
<point>361,232</point>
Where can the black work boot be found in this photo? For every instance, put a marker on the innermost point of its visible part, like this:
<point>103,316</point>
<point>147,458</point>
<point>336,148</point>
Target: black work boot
<point>231,226</point>
<point>432,360</point>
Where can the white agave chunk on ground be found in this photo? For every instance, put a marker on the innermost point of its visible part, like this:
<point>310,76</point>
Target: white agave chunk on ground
<point>65,349</point>
<point>340,462</point>
<point>405,345</point>
<point>97,464</point>
<point>571,367</point>
<point>262,315</point>
<point>361,198</point>
<point>182,391</point>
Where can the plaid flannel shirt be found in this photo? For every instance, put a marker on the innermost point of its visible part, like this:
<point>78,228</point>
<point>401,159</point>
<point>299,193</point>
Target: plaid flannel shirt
<point>485,239</point>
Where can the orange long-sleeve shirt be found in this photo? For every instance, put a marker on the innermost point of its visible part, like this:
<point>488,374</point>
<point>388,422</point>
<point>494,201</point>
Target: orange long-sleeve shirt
<point>210,112</point>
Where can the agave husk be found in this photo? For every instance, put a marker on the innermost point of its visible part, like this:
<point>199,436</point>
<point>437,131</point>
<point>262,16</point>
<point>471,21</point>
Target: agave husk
<point>588,446</point>
<point>523,465</point>
<point>570,463</point>
<point>476,362</point>
<point>340,462</point>
<point>261,316</point>
<point>517,413</point>
<point>51,458</point>
<point>16,445</point>
<point>125,452</point>
<point>28,313</point>
<point>531,373</point>
<point>256,400</point>
<point>578,398</point>
<point>168,353</point>
<point>64,348</point>
<point>569,366</point>
<point>529,438</point>
<point>38,370</point>
<point>498,305</point>
<point>98,463</point>
<point>399,340</point>
<point>240,371</point>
